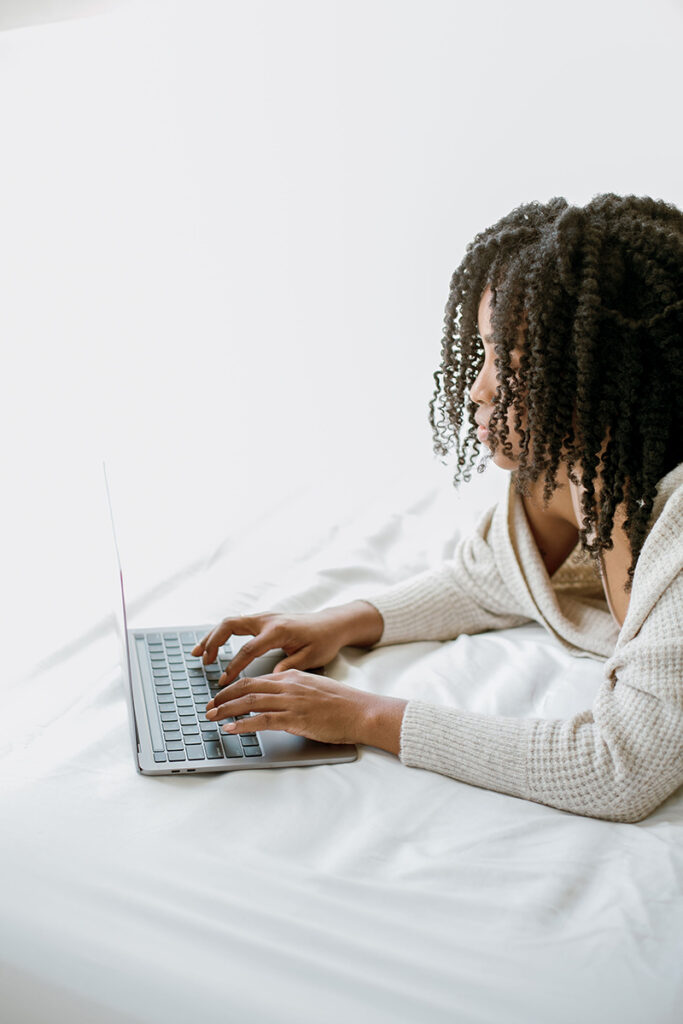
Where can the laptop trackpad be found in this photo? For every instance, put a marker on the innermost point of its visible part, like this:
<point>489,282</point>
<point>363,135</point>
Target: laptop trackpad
<point>263,665</point>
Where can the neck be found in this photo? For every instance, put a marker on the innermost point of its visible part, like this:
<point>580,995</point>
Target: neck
<point>565,505</point>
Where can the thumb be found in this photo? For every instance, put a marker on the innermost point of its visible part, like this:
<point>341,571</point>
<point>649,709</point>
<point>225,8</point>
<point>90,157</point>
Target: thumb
<point>298,660</point>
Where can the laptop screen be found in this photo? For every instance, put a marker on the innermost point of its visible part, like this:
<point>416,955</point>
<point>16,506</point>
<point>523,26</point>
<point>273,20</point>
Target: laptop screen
<point>119,608</point>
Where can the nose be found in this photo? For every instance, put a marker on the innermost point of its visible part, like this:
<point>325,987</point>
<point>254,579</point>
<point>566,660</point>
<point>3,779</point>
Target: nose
<point>484,387</point>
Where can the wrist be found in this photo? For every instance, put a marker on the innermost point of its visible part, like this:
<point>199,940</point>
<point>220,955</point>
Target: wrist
<point>360,624</point>
<point>380,722</point>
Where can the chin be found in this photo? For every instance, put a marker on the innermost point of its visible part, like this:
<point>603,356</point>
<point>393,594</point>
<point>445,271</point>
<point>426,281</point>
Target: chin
<point>502,461</point>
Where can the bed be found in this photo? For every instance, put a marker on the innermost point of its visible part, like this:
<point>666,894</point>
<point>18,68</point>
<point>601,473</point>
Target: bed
<point>366,891</point>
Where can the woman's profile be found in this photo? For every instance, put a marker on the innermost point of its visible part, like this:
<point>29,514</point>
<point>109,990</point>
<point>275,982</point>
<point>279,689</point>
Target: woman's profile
<point>562,362</point>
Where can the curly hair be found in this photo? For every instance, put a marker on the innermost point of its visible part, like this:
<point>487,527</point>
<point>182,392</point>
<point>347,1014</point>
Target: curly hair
<point>596,292</point>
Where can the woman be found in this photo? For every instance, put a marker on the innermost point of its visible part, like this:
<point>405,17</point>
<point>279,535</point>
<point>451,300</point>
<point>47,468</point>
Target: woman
<point>562,346</point>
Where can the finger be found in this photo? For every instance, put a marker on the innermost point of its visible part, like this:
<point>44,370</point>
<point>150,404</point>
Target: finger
<point>300,659</point>
<point>243,625</point>
<point>261,644</point>
<point>250,702</point>
<point>243,688</point>
<point>258,723</point>
<point>199,647</point>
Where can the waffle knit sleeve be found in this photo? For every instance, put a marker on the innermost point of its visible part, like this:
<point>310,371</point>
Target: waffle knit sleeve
<point>467,594</point>
<point>618,761</point>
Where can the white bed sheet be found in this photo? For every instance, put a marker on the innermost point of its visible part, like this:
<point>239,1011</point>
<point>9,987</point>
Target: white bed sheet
<point>368,890</point>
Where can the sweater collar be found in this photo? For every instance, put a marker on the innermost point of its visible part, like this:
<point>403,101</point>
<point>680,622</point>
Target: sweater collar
<point>660,558</point>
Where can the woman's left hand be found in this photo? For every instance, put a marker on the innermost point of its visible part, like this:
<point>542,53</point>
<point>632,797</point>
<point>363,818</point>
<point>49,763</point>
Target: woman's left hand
<point>302,703</point>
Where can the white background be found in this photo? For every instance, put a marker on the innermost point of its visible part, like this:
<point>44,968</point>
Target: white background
<point>226,238</point>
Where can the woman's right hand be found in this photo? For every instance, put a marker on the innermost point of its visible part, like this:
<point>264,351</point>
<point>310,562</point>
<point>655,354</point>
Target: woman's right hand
<point>310,640</point>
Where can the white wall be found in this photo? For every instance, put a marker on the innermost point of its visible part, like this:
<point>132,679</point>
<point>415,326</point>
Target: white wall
<point>226,236</point>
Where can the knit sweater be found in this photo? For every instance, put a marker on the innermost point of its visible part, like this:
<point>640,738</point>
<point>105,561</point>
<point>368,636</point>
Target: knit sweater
<point>617,761</point>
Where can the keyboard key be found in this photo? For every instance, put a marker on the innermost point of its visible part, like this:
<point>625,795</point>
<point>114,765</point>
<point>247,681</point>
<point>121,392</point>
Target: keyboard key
<point>171,732</point>
<point>165,703</point>
<point>195,753</point>
<point>168,716</point>
<point>231,746</point>
<point>154,638</point>
<point>213,750</point>
<point>193,741</point>
<point>184,702</point>
<point>174,745</point>
<point>249,741</point>
<point>190,730</point>
<point>252,752</point>
<point>159,755</point>
<point>176,755</point>
<point>187,638</point>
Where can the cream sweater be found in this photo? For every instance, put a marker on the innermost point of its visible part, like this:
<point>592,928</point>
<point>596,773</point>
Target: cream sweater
<point>621,759</point>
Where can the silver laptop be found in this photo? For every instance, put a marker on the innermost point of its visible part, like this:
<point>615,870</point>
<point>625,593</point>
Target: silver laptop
<point>167,690</point>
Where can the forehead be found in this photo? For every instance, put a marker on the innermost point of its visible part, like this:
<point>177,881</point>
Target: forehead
<point>484,318</point>
<point>484,312</point>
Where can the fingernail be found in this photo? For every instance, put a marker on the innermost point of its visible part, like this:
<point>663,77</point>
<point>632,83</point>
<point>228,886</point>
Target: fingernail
<point>212,713</point>
<point>210,705</point>
<point>230,727</point>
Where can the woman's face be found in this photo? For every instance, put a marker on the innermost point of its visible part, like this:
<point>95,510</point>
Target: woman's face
<point>483,390</point>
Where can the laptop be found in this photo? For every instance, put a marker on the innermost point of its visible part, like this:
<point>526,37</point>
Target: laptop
<point>167,690</point>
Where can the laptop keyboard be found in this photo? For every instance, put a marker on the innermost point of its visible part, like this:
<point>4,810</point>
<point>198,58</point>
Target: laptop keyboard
<point>181,686</point>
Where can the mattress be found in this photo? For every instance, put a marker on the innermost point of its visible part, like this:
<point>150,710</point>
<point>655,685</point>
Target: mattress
<point>367,890</point>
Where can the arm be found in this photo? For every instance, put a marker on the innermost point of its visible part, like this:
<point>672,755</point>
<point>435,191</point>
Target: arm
<point>617,762</point>
<point>468,594</point>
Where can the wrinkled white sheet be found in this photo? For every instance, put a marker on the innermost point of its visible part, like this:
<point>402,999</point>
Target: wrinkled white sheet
<point>365,891</point>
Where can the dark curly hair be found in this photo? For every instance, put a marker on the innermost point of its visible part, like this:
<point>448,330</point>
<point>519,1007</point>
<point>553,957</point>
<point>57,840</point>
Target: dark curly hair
<point>601,289</point>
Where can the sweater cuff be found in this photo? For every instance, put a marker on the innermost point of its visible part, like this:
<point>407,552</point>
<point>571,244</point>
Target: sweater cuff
<point>483,750</point>
<point>409,613</point>
<point>397,607</point>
